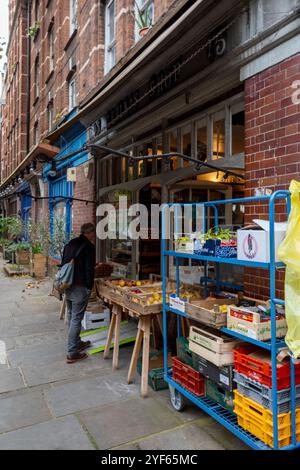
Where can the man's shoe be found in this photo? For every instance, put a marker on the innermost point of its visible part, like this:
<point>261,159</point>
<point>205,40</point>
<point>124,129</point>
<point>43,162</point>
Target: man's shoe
<point>84,345</point>
<point>77,357</point>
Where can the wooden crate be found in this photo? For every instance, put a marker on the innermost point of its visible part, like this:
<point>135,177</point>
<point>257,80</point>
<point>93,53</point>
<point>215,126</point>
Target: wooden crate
<point>208,311</point>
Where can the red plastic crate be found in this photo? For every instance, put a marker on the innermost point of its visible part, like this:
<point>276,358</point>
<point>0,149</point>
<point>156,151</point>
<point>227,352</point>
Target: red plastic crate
<point>188,377</point>
<point>260,370</point>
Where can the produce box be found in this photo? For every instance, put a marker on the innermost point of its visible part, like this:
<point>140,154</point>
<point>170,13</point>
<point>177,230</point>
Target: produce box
<point>156,370</point>
<point>216,247</point>
<point>209,312</point>
<point>254,324</point>
<point>188,377</point>
<point>213,345</point>
<point>219,394</point>
<point>263,395</point>
<point>254,241</point>
<point>256,363</point>
<point>223,376</point>
<point>183,352</point>
<point>257,420</point>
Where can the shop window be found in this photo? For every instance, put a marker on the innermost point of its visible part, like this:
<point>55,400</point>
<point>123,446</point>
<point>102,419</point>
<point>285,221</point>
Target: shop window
<point>110,36</point>
<point>173,147</point>
<point>201,142</point>
<point>73,16</point>
<point>186,143</point>
<point>218,145</point>
<point>238,132</point>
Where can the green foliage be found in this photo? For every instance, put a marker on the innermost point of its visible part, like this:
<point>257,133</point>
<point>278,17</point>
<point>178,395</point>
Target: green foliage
<point>218,234</point>
<point>142,18</point>
<point>15,227</point>
<point>60,237</point>
<point>32,30</point>
<point>4,242</point>
<point>39,238</point>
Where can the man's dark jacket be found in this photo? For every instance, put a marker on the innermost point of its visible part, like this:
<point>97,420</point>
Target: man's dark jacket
<point>85,262</point>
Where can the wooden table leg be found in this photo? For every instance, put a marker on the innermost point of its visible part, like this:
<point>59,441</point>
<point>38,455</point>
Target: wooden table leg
<point>115,362</point>
<point>135,354</point>
<point>63,308</point>
<point>146,350</point>
<point>110,335</point>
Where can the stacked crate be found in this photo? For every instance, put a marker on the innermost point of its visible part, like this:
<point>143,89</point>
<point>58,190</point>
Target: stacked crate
<point>253,398</point>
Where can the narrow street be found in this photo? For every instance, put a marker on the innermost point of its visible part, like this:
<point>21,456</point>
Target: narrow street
<point>47,404</point>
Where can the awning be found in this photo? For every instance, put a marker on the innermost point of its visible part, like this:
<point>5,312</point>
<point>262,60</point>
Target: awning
<point>39,150</point>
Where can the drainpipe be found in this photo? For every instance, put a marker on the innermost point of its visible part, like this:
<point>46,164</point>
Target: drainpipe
<point>28,78</point>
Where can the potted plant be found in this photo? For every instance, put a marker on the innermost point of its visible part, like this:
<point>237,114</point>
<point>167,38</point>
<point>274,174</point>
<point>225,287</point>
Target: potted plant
<point>22,253</point>
<point>143,19</point>
<point>39,240</point>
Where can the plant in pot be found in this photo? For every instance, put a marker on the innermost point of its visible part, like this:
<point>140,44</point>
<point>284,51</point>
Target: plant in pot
<point>39,240</point>
<point>22,252</point>
<point>13,229</point>
<point>143,19</point>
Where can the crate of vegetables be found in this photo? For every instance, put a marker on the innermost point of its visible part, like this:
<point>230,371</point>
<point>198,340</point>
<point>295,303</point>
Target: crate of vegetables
<point>217,242</point>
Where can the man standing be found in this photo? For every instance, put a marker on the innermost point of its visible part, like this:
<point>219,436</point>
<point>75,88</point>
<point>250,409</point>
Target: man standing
<point>82,251</point>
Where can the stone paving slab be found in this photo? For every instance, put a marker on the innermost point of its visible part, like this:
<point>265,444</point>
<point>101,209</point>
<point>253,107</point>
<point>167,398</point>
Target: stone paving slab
<point>140,416</point>
<point>190,413</point>
<point>22,410</point>
<point>187,437</point>
<point>10,379</point>
<point>51,325</point>
<point>59,370</point>
<point>9,343</point>
<point>40,354</point>
<point>89,393</point>
<point>31,319</point>
<point>60,434</point>
<point>36,339</point>
<point>224,436</point>
<point>9,332</point>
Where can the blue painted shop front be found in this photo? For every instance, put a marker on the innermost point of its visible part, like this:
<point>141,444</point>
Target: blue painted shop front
<point>26,205</point>
<point>61,191</point>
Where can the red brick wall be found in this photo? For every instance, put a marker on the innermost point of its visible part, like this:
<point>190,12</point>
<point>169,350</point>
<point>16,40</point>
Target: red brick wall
<point>272,147</point>
<point>84,188</point>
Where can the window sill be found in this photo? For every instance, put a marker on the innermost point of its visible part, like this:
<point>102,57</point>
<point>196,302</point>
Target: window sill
<point>70,39</point>
<point>49,76</point>
<point>36,99</point>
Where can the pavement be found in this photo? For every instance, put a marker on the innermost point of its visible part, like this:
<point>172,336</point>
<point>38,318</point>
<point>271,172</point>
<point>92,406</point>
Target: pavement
<point>46,404</point>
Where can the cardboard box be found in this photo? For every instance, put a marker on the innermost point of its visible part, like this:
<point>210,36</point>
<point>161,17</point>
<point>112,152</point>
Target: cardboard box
<point>254,242</point>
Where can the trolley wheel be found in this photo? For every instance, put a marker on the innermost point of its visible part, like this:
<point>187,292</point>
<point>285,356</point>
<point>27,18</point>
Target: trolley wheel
<point>177,399</point>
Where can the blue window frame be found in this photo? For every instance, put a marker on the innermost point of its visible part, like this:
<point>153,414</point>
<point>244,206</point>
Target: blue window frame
<point>60,207</point>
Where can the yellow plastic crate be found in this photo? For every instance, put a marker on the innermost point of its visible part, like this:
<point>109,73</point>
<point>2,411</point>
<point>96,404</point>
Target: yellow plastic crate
<point>259,421</point>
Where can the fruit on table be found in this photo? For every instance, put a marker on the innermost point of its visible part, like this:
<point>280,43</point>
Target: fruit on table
<point>138,283</point>
<point>122,283</point>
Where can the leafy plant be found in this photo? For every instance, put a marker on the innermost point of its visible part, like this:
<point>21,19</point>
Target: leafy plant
<point>60,237</point>
<point>142,18</point>
<point>15,227</point>
<point>218,233</point>
<point>32,30</point>
<point>39,238</point>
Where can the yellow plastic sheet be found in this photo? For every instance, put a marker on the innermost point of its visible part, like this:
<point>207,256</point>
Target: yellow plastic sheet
<point>289,253</point>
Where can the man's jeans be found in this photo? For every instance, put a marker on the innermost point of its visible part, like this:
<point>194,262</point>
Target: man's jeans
<point>77,298</point>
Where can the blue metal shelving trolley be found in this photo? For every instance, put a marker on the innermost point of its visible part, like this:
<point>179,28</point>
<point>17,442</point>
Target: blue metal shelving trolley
<point>177,392</point>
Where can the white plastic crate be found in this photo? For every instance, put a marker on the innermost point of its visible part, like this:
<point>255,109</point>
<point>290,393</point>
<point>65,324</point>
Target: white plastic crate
<point>92,321</point>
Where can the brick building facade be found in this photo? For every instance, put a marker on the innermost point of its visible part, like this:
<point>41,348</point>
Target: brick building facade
<point>87,63</point>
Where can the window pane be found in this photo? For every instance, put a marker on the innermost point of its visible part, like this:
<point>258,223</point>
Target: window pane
<point>219,139</point>
<point>173,148</point>
<point>186,144</point>
<point>111,22</point>
<point>238,133</point>
<point>202,143</point>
